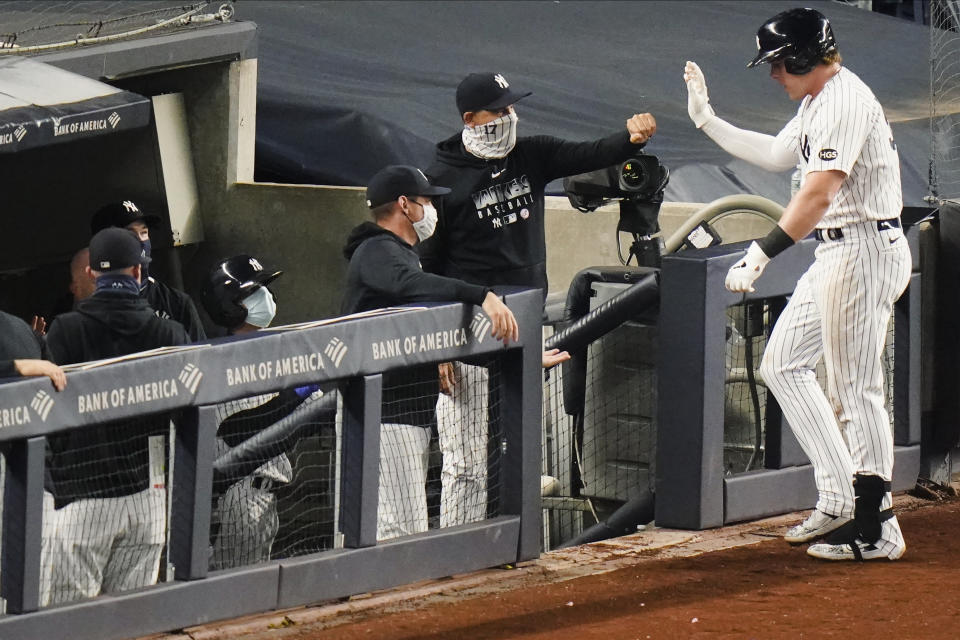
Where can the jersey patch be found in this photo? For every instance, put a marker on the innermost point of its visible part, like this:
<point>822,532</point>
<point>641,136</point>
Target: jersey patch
<point>827,154</point>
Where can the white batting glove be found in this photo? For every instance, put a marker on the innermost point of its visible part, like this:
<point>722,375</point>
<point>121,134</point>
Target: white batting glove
<point>742,275</point>
<point>698,104</point>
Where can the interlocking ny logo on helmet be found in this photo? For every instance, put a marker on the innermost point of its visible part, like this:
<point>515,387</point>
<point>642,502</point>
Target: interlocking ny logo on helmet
<point>800,38</point>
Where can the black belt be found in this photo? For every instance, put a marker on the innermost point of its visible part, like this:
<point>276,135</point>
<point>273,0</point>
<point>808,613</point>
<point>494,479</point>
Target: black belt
<point>837,233</point>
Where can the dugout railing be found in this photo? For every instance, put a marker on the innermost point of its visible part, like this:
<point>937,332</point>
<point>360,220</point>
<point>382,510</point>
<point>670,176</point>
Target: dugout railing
<point>190,381</point>
<point>694,489</point>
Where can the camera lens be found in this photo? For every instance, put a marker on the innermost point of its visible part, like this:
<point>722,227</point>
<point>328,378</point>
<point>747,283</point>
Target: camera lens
<point>632,175</point>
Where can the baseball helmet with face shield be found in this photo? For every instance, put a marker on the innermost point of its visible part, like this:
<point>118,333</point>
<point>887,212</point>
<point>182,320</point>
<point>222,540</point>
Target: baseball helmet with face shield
<point>230,282</point>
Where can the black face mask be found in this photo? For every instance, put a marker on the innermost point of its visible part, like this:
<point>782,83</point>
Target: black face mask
<point>144,268</point>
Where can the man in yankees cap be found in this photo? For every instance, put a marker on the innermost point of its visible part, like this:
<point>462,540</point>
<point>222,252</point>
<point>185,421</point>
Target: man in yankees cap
<point>850,198</point>
<point>166,301</point>
<point>104,521</point>
<point>491,232</point>
<point>384,271</point>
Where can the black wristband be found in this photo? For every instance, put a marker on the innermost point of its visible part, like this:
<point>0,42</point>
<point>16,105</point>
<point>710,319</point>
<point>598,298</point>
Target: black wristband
<point>775,242</point>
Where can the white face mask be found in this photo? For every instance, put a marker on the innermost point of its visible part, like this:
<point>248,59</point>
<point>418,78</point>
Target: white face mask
<point>492,140</point>
<point>261,307</point>
<point>426,225</point>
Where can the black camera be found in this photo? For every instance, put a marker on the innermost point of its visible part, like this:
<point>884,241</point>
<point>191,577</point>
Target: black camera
<point>639,178</point>
<point>638,184</point>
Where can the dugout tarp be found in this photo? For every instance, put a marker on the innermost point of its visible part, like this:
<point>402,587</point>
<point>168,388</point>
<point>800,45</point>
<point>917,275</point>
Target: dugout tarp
<point>348,87</point>
<point>42,105</point>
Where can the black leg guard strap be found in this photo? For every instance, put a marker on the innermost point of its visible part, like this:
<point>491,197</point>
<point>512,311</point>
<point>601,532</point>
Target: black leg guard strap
<point>856,551</point>
<point>849,532</point>
<point>869,491</point>
<point>844,534</point>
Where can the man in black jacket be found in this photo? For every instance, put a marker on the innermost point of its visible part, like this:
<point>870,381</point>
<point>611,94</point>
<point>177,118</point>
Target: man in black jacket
<point>107,483</point>
<point>491,227</point>
<point>491,231</point>
<point>384,271</point>
<point>166,301</point>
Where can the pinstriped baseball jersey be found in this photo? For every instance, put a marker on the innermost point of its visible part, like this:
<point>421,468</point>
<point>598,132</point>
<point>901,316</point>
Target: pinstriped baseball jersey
<point>844,128</point>
<point>841,307</point>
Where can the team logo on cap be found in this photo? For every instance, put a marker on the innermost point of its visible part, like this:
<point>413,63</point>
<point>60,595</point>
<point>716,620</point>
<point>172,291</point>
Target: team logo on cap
<point>129,206</point>
<point>255,264</point>
<point>500,80</point>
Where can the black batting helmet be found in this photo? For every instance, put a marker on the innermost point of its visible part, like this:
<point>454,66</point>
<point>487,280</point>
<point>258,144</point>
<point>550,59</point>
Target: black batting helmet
<point>230,282</point>
<point>798,37</point>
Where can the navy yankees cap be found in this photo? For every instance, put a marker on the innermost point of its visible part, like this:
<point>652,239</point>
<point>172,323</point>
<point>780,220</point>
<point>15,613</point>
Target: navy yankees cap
<point>489,91</point>
<point>120,214</point>
<point>399,180</point>
<point>114,248</point>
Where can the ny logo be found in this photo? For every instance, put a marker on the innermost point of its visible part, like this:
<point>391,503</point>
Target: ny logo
<point>500,80</point>
<point>805,148</point>
<point>256,265</point>
<point>129,206</point>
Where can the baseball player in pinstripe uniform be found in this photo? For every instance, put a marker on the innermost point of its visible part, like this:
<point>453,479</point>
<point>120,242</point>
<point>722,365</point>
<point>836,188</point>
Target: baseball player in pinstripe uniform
<point>850,198</point>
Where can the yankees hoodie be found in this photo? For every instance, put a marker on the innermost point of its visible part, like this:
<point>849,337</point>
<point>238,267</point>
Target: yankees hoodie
<point>490,229</point>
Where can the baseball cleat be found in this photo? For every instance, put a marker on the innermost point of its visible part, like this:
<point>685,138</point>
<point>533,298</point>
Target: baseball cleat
<point>817,525</point>
<point>856,550</point>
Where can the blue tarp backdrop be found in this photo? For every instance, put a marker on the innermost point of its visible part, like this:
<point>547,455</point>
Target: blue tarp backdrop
<point>348,87</point>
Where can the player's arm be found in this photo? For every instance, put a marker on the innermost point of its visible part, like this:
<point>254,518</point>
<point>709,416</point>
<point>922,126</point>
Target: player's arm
<point>557,158</point>
<point>808,206</point>
<point>801,217</point>
<point>772,153</point>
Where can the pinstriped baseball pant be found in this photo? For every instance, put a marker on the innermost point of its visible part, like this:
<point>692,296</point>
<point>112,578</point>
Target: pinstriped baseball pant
<point>840,311</point>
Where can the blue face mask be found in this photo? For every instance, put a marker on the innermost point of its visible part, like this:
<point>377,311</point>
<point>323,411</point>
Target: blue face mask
<point>261,307</point>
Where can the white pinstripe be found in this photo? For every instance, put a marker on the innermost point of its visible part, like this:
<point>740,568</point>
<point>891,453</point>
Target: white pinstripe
<point>842,305</point>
